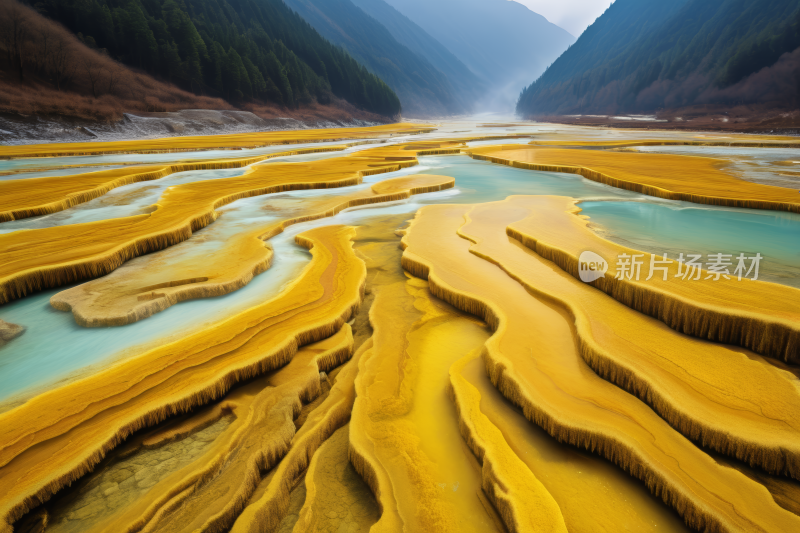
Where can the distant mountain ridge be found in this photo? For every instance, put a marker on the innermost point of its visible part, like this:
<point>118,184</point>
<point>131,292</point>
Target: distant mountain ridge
<point>504,43</point>
<point>423,89</point>
<point>465,83</point>
<point>645,55</point>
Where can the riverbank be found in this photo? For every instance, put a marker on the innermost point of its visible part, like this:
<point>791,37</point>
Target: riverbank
<point>27,129</point>
<point>740,119</point>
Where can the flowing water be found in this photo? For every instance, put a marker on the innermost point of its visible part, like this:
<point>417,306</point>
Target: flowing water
<point>32,165</point>
<point>419,344</point>
<point>681,227</point>
<point>770,166</point>
<point>58,349</point>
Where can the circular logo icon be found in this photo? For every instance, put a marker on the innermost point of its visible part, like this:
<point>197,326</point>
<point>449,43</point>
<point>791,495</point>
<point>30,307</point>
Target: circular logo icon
<point>591,266</point>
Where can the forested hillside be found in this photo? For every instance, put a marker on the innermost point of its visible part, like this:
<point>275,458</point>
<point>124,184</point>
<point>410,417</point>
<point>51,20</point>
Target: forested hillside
<point>235,49</point>
<point>45,70</point>
<point>645,55</point>
<point>423,90</point>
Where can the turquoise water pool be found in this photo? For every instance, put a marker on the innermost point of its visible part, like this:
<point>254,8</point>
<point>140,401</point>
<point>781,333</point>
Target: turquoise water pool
<point>54,348</point>
<point>681,227</point>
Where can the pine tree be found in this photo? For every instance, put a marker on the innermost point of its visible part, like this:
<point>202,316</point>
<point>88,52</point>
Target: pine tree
<point>237,49</point>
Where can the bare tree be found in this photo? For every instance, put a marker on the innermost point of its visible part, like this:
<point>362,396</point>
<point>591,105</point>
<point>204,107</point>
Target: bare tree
<point>93,68</point>
<point>59,62</point>
<point>40,46</point>
<point>114,75</point>
<point>14,33</point>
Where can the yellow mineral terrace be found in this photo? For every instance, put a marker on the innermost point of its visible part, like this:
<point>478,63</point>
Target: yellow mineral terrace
<point>32,260</point>
<point>687,178</point>
<point>761,316</point>
<point>534,359</point>
<point>234,141</point>
<point>58,436</point>
<point>132,294</point>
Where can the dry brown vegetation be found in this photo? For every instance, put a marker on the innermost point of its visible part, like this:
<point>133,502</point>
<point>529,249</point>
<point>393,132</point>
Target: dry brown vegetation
<point>38,99</point>
<point>46,70</point>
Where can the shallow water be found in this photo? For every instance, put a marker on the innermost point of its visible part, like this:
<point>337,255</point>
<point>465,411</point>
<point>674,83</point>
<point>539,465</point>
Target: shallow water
<point>89,160</point>
<point>137,198</point>
<point>763,155</point>
<point>57,348</point>
<point>54,347</point>
<point>681,227</point>
<point>429,450</point>
<point>481,181</point>
<point>752,164</point>
<point>56,172</point>
<point>126,201</point>
<point>36,167</point>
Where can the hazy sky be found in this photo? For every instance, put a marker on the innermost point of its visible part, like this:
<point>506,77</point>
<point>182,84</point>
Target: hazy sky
<point>572,15</point>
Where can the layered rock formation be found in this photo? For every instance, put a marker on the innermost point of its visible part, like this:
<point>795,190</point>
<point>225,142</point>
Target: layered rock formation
<point>454,374</point>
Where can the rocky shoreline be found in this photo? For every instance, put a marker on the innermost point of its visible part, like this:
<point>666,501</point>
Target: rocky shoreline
<point>26,129</point>
<point>729,120</point>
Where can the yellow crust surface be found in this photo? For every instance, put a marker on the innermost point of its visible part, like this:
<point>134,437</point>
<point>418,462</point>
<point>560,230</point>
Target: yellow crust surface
<point>535,361</point>
<point>675,177</point>
<point>60,435</point>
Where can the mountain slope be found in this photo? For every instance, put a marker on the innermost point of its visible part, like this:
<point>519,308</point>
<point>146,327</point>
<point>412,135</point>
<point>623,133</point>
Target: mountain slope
<point>422,89</point>
<point>643,55</point>
<point>46,70</point>
<point>503,42</point>
<point>237,49</point>
<point>410,35</point>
